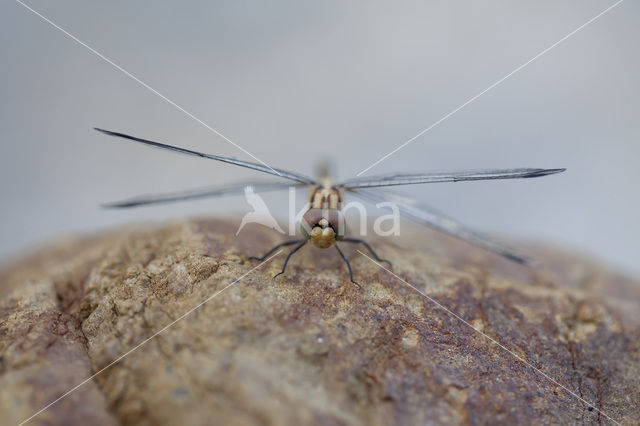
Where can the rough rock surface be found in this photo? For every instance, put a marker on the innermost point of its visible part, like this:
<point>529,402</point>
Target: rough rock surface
<point>310,347</point>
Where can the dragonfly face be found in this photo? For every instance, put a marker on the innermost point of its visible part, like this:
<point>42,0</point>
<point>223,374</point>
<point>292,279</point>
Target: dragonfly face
<point>323,224</point>
<point>323,227</point>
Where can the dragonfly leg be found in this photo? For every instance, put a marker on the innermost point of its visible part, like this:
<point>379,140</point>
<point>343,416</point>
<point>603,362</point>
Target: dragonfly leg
<point>366,244</point>
<point>348,266</point>
<point>286,243</point>
<point>295,249</point>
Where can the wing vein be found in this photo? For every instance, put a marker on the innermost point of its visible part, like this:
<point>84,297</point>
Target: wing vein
<point>254,166</point>
<point>422,214</point>
<point>456,176</point>
<point>233,189</point>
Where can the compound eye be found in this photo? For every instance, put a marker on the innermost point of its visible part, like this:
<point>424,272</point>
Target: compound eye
<point>337,222</point>
<point>306,228</point>
<point>309,220</point>
<point>324,219</point>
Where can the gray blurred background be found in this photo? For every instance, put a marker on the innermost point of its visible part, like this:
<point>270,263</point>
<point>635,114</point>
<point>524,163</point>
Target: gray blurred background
<point>293,82</point>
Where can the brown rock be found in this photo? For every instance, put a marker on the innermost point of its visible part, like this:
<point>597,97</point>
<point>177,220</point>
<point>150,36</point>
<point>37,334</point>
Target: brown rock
<point>310,347</point>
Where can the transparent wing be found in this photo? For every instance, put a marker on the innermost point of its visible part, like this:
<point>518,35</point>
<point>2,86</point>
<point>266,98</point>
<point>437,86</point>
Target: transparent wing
<point>233,189</point>
<point>262,168</point>
<point>456,176</point>
<point>412,209</point>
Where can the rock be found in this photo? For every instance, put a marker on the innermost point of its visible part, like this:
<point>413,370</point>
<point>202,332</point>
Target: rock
<point>310,347</point>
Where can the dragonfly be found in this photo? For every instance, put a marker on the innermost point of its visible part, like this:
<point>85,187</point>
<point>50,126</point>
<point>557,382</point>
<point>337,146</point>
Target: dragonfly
<point>323,223</point>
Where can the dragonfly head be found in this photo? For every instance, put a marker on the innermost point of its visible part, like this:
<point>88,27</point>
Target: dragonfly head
<point>323,227</point>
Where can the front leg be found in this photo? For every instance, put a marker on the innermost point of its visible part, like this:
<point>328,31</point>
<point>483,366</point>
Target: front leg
<point>363,242</point>
<point>295,249</point>
<point>286,243</point>
<point>348,267</point>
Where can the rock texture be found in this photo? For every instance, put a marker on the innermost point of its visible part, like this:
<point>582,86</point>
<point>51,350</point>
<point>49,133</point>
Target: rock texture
<point>309,347</point>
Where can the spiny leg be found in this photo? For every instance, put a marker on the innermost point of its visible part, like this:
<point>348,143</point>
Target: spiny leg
<point>363,242</point>
<point>295,249</point>
<point>286,243</point>
<point>348,266</point>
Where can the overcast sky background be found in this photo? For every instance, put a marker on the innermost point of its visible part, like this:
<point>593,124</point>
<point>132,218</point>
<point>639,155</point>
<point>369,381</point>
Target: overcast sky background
<point>292,82</point>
